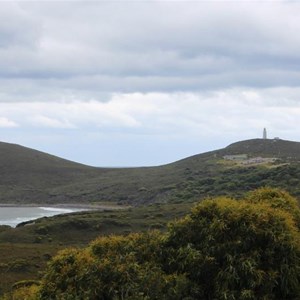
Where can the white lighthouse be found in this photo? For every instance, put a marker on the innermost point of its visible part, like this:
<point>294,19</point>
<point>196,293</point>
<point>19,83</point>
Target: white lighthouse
<point>265,134</point>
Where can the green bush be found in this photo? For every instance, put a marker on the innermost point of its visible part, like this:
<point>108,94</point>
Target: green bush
<point>277,199</point>
<point>114,267</point>
<point>42,230</point>
<point>25,283</point>
<point>236,250</point>
<point>224,249</point>
<point>23,290</point>
<point>19,265</point>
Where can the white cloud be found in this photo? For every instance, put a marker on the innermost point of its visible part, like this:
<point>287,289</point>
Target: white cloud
<point>71,114</point>
<point>6,123</point>
<point>200,114</point>
<point>49,122</point>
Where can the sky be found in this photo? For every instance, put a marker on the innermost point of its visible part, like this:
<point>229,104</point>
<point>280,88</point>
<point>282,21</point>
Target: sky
<point>145,82</point>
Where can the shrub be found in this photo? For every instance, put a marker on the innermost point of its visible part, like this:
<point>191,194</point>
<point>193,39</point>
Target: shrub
<point>42,230</point>
<point>277,199</point>
<point>4,228</point>
<point>23,290</point>
<point>224,249</point>
<point>113,267</point>
<point>19,265</point>
<point>25,283</point>
<point>236,250</point>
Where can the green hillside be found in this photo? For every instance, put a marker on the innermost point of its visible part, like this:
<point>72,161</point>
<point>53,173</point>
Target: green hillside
<point>167,192</point>
<point>271,147</point>
<point>29,176</point>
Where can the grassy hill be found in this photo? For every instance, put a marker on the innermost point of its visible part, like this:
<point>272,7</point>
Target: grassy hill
<point>29,176</point>
<point>272,147</point>
<point>169,191</point>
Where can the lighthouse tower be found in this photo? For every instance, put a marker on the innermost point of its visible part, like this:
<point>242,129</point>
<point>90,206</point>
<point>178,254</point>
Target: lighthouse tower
<point>265,134</point>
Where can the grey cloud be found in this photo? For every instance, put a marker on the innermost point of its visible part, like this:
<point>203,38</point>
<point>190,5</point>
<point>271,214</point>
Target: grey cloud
<point>99,87</point>
<point>17,27</point>
<point>87,48</point>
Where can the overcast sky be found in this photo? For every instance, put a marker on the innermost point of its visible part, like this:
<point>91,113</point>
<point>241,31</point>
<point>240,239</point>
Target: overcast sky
<point>136,83</point>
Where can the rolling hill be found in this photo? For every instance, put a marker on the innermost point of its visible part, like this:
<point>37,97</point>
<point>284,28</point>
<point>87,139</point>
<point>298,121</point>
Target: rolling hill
<point>169,192</point>
<point>30,176</point>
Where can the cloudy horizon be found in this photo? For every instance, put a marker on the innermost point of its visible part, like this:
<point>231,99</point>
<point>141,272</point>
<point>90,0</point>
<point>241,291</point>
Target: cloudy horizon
<point>140,83</point>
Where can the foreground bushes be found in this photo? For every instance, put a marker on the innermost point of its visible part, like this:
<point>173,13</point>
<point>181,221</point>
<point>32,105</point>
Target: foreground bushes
<point>224,249</point>
<point>236,250</point>
<point>113,267</point>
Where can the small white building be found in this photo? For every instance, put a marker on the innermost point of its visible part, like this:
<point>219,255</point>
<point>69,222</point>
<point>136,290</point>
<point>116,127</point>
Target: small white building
<point>259,160</point>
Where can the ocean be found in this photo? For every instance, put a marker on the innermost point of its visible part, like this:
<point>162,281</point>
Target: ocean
<point>12,216</point>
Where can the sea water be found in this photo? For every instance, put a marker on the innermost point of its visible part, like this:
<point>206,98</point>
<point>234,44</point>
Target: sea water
<point>12,216</point>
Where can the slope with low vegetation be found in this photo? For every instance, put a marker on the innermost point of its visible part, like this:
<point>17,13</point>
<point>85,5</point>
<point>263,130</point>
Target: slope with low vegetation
<point>29,176</point>
<point>223,249</point>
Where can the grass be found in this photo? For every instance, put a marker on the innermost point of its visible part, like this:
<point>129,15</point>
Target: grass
<point>23,261</point>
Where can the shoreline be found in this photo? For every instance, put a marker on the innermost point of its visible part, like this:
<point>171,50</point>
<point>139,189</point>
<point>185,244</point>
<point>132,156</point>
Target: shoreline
<point>68,205</point>
<point>20,215</point>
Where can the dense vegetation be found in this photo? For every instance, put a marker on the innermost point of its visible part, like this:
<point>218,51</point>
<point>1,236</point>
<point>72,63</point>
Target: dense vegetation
<point>223,249</point>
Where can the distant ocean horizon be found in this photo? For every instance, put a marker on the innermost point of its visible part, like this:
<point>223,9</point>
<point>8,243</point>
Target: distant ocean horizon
<point>15,215</point>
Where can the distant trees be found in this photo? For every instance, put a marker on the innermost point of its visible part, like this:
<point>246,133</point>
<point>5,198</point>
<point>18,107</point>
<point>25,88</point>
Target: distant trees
<point>224,249</point>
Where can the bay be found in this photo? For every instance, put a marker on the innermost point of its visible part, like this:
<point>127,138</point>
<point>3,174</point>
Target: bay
<point>14,215</point>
